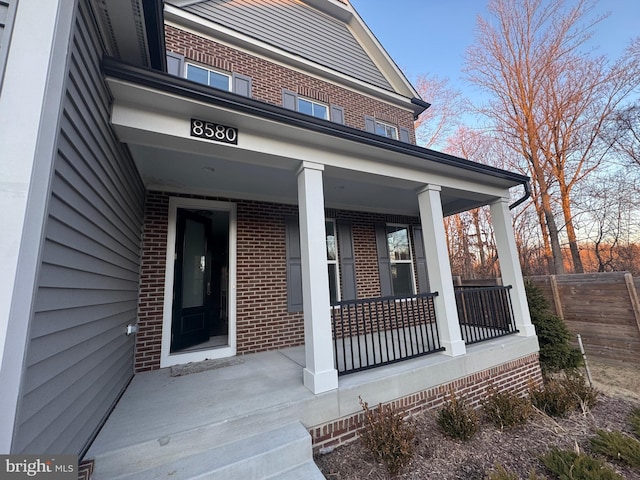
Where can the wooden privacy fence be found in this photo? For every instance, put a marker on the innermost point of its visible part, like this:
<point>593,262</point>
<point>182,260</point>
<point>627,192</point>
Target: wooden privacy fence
<point>602,307</point>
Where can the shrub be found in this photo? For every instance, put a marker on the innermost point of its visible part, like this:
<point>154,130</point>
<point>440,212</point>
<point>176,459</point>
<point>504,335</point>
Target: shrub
<point>556,352</point>
<point>634,420</point>
<point>457,419</point>
<point>617,446</point>
<point>562,395</point>
<point>506,409</point>
<point>569,465</point>
<point>388,436</point>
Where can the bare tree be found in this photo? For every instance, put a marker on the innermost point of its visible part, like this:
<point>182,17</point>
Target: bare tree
<point>439,120</point>
<point>550,100</point>
<point>624,133</point>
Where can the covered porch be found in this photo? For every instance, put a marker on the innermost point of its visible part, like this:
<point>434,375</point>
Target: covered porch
<point>288,158</point>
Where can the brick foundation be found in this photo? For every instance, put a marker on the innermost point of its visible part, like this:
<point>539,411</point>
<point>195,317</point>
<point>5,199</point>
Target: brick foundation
<point>515,376</point>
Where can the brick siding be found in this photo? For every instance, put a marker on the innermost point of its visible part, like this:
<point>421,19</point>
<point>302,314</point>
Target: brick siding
<point>515,376</point>
<point>262,318</point>
<point>268,80</point>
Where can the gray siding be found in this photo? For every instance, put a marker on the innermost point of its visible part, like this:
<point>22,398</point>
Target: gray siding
<point>7,8</point>
<point>296,28</point>
<point>79,360</point>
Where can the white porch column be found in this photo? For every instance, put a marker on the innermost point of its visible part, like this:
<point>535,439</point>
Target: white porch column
<point>439,270</point>
<point>320,374</point>
<point>510,265</point>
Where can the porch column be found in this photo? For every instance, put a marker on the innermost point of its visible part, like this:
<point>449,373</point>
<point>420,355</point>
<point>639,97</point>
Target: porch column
<point>439,270</point>
<point>510,265</point>
<point>320,374</point>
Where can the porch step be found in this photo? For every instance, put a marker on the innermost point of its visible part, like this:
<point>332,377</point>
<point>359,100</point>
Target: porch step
<point>282,453</point>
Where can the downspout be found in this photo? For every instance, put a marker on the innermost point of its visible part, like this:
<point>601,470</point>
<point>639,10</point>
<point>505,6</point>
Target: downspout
<point>527,194</point>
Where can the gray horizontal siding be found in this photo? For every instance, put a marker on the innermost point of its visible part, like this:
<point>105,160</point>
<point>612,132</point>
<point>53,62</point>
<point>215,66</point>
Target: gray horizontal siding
<point>298,29</point>
<point>79,359</point>
<point>7,7</point>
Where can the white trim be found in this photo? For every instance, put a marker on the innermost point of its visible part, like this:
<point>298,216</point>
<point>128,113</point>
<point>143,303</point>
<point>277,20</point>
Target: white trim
<point>166,358</point>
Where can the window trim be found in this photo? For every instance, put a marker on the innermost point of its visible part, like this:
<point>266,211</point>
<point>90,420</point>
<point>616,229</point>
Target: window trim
<point>313,104</point>
<point>387,125</point>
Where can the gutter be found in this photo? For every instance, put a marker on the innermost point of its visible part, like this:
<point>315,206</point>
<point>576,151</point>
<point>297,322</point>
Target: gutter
<point>527,194</point>
<point>420,103</point>
<point>185,88</point>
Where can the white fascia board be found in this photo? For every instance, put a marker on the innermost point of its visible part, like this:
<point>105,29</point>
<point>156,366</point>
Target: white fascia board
<point>145,116</point>
<point>189,22</point>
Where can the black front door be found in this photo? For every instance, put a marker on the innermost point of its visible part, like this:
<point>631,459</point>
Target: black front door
<point>193,305</point>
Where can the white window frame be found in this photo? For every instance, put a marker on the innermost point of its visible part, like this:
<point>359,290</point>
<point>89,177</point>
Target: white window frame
<point>335,262</point>
<point>210,70</point>
<point>313,103</point>
<point>396,262</point>
<point>387,126</point>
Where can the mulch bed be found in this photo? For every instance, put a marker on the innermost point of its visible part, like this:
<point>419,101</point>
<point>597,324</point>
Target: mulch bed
<point>438,457</point>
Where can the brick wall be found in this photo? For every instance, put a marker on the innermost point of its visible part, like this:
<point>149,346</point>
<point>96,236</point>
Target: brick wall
<point>515,376</point>
<point>268,80</point>
<point>262,318</point>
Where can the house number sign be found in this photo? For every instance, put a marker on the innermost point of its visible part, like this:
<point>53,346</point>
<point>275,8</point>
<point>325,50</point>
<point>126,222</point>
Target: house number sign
<point>214,131</point>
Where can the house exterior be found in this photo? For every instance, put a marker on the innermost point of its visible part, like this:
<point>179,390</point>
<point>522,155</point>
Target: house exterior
<point>195,180</point>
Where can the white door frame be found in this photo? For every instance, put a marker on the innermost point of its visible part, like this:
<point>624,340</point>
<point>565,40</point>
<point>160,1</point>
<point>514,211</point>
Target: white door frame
<point>168,359</point>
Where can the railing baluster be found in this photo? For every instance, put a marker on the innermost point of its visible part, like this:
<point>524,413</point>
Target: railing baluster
<point>407,324</point>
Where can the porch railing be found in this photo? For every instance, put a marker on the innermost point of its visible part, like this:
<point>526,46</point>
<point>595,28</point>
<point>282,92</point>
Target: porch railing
<point>484,313</point>
<point>368,333</point>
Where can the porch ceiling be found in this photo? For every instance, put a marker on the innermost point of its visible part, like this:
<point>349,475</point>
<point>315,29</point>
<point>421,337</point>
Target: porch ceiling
<point>168,170</point>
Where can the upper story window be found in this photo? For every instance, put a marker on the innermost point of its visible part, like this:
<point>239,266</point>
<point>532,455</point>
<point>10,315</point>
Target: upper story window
<point>208,77</point>
<point>227,81</point>
<point>386,129</point>
<point>332,112</point>
<point>312,108</point>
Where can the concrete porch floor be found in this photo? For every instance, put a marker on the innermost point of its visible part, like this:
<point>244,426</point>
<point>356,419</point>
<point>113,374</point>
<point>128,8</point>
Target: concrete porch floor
<point>159,417</point>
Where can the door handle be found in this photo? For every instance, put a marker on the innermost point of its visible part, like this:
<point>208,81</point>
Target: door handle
<point>208,289</point>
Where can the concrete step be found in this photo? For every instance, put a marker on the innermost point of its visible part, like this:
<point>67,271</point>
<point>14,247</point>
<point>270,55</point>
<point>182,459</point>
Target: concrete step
<point>307,471</point>
<point>272,453</point>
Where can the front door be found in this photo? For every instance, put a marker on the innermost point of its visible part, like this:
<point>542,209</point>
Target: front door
<point>192,297</point>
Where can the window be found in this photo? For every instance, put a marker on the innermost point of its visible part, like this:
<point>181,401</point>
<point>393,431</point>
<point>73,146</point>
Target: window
<point>208,77</point>
<point>292,101</point>
<point>312,108</point>
<point>399,246</point>
<point>332,261</point>
<point>386,130</point>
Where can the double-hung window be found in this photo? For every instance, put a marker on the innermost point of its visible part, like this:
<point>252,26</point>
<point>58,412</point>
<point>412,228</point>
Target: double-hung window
<point>401,262</point>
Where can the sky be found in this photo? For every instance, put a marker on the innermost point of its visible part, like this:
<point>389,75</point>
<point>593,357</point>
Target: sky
<point>431,36</point>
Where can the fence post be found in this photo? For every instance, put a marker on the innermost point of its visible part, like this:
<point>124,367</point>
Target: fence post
<point>633,295</point>
<point>556,296</point>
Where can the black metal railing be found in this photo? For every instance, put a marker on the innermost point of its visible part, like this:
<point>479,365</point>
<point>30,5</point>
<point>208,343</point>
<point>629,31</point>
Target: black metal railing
<point>484,313</point>
<point>372,332</point>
